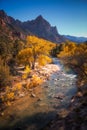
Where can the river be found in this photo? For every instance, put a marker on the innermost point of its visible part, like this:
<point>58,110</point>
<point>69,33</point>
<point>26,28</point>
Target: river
<point>34,113</point>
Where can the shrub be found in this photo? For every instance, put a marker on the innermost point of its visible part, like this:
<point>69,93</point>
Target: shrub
<point>17,87</point>
<point>35,81</point>
<point>8,96</point>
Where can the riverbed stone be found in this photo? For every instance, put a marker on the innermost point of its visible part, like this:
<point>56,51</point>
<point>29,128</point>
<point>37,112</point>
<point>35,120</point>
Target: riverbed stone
<point>59,96</point>
<point>46,86</point>
<point>2,113</point>
<point>79,94</point>
<point>39,99</point>
<point>21,95</point>
<point>33,95</point>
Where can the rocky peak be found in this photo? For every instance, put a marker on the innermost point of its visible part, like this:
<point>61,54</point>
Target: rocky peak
<point>40,17</point>
<point>45,24</point>
<point>41,20</point>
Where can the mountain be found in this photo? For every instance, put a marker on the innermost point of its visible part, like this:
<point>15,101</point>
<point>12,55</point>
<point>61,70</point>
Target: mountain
<point>16,29</point>
<point>41,28</point>
<point>76,39</point>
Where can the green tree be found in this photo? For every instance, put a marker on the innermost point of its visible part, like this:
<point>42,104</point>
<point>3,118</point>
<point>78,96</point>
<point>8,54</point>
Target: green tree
<point>4,74</point>
<point>17,46</point>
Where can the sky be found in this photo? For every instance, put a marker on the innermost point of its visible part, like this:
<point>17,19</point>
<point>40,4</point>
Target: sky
<point>69,16</point>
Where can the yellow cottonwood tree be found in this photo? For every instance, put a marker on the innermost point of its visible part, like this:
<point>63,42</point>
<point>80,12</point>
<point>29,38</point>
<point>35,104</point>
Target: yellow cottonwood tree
<point>35,47</point>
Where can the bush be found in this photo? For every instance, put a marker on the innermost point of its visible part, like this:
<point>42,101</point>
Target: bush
<point>34,82</point>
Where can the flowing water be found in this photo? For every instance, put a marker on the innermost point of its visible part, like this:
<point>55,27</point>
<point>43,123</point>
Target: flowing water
<point>54,96</point>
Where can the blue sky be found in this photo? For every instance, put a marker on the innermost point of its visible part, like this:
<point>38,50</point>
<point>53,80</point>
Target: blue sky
<point>70,16</point>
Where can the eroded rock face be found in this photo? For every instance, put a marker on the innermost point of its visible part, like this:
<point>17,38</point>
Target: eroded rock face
<point>39,27</point>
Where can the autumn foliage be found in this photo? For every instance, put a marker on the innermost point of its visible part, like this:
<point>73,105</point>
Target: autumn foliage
<point>75,56</point>
<point>37,50</point>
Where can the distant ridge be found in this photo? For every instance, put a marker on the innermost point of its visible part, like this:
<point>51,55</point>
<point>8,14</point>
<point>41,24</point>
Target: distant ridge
<point>76,39</point>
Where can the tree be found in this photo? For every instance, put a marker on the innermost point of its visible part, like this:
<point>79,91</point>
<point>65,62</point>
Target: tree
<point>35,47</point>
<point>5,77</point>
<point>17,46</point>
<point>5,48</point>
